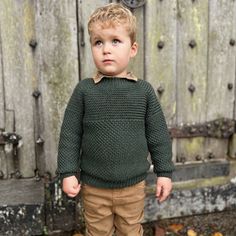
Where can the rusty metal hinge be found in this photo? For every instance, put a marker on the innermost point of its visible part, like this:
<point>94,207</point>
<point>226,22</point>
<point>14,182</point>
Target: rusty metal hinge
<point>220,128</point>
<point>7,137</point>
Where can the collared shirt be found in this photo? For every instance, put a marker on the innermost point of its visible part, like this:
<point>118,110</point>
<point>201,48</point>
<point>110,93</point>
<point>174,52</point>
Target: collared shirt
<point>98,77</point>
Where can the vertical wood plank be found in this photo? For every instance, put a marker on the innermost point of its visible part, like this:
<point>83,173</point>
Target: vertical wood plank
<point>137,63</point>
<point>3,164</point>
<point>85,9</point>
<point>191,72</point>
<point>232,144</point>
<point>2,100</point>
<point>16,33</point>
<point>8,148</point>
<point>221,68</point>
<point>234,49</point>
<point>160,64</point>
<point>192,62</point>
<point>57,68</point>
<point>221,59</point>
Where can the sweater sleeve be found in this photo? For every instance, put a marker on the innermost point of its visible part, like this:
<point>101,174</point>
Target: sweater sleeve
<point>158,139</point>
<point>71,135</point>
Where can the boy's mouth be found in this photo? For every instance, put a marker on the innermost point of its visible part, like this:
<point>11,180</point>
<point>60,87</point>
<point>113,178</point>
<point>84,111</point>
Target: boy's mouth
<point>107,61</point>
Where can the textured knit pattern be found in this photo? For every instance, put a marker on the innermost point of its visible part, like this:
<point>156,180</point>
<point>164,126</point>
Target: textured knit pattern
<point>108,130</point>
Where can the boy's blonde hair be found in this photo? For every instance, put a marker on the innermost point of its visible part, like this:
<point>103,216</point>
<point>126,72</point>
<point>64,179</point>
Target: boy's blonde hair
<point>111,15</point>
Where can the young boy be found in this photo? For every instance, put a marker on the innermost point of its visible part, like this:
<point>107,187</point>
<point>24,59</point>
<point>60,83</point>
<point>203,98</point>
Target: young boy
<point>111,123</point>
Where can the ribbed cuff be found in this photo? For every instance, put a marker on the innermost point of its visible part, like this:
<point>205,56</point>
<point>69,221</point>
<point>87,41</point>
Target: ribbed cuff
<point>64,175</point>
<point>165,174</point>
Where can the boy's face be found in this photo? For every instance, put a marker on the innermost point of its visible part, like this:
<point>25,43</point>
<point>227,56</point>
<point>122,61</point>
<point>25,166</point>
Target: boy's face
<point>112,49</point>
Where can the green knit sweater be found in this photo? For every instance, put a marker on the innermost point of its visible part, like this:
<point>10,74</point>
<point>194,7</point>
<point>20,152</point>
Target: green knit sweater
<point>108,130</point>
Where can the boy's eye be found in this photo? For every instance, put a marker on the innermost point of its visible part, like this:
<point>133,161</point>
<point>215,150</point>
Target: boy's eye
<point>98,43</point>
<point>115,41</point>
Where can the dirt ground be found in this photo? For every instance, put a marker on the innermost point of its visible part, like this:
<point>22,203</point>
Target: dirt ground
<point>217,224</point>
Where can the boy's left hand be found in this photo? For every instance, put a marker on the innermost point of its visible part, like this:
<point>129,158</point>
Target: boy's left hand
<point>163,188</point>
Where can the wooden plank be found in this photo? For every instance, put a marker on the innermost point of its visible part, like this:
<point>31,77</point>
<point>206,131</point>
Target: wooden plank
<point>196,170</point>
<point>160,64</point>
<point>191,73</point>
<point>221,60</point>
<point>192,62</point>
<point>8,148</point>
<point>33,192</point>
<point>221,67</point>
<point>57,68</point>
<point>85,9</point>
<point>137,63</point>
<point>21,207</point>
<point>232,143</point>
<point>233,46</point>
<point>2,100</point>
<point>3,166</point>
<point>16,32</point>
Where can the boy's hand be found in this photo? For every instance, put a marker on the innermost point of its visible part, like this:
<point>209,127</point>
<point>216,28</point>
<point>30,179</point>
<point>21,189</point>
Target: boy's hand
<point>163,188</point>
<point>71,186</point>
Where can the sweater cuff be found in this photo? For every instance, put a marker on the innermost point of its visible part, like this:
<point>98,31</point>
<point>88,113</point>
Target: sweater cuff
<point>165,174</point>
<point>64,175</point>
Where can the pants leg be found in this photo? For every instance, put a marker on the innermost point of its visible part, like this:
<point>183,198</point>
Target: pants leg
<point>129,210</point>
<point>109,210</point>
<point>98,213</point>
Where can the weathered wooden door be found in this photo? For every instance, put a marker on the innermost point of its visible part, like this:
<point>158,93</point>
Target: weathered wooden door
<point>187,52</point>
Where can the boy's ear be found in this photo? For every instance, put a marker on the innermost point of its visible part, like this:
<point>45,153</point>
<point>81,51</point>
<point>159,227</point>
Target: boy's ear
<point>134,49</point>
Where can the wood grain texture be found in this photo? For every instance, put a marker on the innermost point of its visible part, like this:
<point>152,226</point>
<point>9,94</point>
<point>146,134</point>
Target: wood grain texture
<point>2,100</point>
<point>16,32</point>
<point>160,64</point>
<point>57,69</point>
<point>85,9</point>
<point>221,60</point>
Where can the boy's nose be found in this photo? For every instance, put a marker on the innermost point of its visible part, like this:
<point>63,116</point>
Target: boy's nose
<point>106,48</point>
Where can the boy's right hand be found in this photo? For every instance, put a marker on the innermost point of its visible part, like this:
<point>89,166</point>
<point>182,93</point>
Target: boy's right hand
<point>71,186</point>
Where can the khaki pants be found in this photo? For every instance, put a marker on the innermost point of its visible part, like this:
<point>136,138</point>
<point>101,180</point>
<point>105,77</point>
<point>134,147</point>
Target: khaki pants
<point>114,210</point>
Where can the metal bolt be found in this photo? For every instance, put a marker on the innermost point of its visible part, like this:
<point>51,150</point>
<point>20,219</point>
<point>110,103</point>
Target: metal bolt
<point>232,42</point>
<point>198,158</point>
<point>191,88</point>
<point>160,44</point>
<point>1,174</point>
<point>192,43</point>
<point>33,43</point>
<point>230,86</point>
<point>40,141</point>
<point>36,93</point>
<point>209,125</point>
<point>210,155</point>
<point>160,90</point>
<point>18,174</point>
<point>181,158</point>
<point>193,130</point>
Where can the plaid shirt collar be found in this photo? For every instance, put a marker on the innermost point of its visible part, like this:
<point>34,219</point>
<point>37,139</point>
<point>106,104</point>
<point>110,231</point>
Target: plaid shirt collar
<point>99,76</point>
